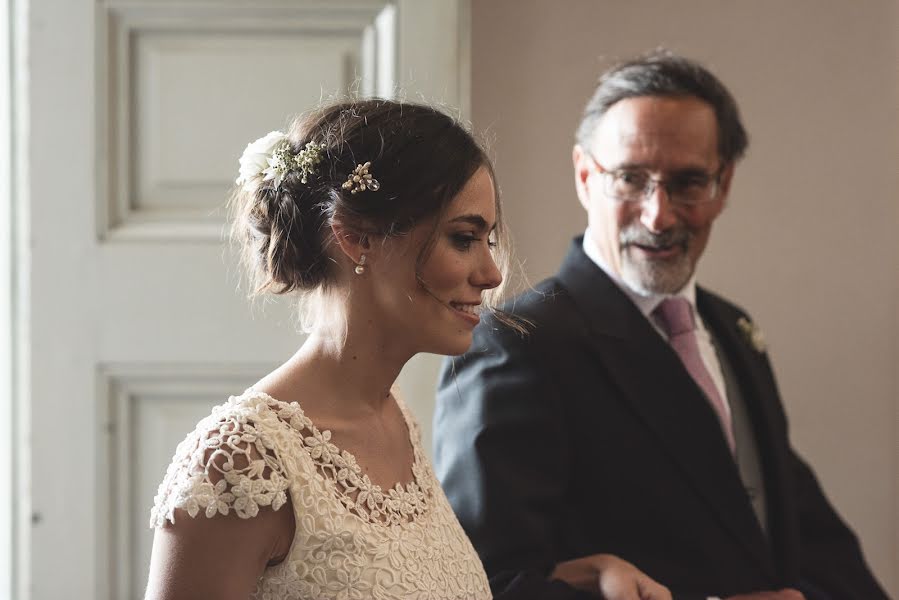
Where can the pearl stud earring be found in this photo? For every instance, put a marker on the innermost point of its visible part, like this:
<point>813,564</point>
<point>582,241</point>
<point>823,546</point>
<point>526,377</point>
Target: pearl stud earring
<point>360,268</point>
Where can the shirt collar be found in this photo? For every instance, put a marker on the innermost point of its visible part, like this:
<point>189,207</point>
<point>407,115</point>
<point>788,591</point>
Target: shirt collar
<point>646,304</point>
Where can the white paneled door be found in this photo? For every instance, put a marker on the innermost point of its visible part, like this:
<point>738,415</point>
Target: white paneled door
<point>134,114</point>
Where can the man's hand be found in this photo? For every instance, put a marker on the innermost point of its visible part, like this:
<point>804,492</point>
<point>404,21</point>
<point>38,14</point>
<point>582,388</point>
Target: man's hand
<point>784,594</point>
<point>610,577</point>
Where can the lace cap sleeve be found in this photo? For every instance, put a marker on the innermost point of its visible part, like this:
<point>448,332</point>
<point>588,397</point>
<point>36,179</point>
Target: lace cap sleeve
<point>230,462</point>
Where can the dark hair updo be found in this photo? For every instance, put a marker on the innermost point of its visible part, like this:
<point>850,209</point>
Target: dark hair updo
<point>421,157</point>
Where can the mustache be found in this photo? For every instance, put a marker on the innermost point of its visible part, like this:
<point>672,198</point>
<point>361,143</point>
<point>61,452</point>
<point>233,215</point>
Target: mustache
<point>638,235</point>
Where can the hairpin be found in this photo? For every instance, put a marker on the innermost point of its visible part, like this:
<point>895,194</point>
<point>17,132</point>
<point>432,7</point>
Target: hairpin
<point>360,180</point>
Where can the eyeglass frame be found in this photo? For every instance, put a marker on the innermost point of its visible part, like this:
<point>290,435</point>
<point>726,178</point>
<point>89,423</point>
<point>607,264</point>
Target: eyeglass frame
<point>653,184</point>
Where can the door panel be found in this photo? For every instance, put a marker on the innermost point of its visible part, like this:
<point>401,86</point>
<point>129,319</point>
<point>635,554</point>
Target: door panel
<point>137,114</point>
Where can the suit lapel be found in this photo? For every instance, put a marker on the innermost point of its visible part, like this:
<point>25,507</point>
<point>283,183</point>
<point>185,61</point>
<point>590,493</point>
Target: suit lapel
<point>665,397</point>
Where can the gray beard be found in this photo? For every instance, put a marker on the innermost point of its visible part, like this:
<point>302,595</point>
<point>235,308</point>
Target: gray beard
<point>655,277</point>
<point>652,278</point>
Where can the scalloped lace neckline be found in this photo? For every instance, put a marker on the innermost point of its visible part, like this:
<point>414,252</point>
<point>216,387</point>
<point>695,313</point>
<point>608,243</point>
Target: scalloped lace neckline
<point>401,503</point>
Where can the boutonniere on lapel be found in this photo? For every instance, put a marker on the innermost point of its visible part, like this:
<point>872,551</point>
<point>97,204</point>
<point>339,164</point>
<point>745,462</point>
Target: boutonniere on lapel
<point>753,334</point>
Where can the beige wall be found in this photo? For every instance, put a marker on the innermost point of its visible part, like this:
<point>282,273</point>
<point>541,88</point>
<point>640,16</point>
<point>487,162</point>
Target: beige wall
<point>808,243</point>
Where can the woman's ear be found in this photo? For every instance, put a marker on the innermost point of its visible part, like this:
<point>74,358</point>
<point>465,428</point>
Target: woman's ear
<point>352,243</point>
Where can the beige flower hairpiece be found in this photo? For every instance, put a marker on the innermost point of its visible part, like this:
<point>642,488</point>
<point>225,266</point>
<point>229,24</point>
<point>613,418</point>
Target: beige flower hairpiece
<point>360,180</point>
<point>271,157</point>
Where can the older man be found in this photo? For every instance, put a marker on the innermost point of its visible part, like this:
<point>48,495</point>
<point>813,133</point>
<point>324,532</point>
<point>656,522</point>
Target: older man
<point>640,416</point>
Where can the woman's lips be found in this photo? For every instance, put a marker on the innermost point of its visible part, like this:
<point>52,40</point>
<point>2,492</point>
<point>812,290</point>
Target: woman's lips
<point>469,312</point>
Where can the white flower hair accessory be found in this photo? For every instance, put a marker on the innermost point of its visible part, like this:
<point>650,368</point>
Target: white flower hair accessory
<point>270,158</point>
<point>255,157</point>
<point>753,334</point>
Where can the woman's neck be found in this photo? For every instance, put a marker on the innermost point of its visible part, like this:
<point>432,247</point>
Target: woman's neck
<point>357,368</point>
<point>351,367</point>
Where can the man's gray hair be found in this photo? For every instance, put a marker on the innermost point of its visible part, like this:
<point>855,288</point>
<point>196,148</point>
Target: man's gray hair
<point>663,73</point>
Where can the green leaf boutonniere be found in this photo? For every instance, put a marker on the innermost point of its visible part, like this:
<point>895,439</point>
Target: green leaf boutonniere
<point>753,334</point>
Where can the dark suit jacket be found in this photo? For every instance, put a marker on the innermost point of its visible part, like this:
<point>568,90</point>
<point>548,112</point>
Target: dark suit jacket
<point>588,435</point>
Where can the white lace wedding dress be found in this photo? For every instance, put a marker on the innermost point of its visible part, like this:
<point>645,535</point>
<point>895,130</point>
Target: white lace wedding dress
<point>353,540</point>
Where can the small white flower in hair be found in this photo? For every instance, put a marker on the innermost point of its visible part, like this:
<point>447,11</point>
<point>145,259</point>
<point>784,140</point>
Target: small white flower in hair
<point>272,158</point>
<point>307,159</point>
<point>254,161</point>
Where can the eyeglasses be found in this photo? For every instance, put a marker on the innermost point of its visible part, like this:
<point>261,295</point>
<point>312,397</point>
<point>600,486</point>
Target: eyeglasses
<point>636,185</point>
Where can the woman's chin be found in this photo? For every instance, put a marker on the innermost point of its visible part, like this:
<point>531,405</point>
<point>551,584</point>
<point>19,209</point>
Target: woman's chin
<point>454,347</point>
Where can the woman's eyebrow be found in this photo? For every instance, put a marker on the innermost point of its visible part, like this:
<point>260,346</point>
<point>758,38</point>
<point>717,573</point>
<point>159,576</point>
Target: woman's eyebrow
<point>474,219</point>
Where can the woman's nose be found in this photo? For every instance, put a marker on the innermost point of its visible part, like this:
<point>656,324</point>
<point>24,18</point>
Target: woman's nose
<point>488,275</point>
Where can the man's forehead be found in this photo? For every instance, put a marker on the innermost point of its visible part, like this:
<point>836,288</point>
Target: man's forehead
<point>650,128</point>
<point>659,114</point>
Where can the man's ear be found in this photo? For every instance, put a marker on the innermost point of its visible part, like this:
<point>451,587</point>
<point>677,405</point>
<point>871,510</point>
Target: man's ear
<point>581,174</point>
<point>352,243</point>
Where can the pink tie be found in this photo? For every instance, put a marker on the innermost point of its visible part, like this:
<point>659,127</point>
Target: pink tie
<point>675,315</point>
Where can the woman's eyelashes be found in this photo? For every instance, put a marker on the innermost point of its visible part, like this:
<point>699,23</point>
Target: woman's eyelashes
<point>463,241</point>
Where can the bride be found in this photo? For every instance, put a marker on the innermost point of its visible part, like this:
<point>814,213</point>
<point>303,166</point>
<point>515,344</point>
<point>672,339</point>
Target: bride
<point>313,483</point>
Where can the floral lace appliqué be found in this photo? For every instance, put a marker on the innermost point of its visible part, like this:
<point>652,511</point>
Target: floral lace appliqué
<point>352,486</point>
<point>352,540</point>
<point>227,463</point>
